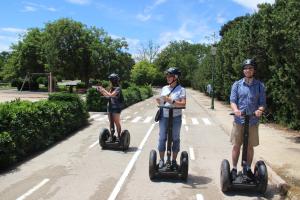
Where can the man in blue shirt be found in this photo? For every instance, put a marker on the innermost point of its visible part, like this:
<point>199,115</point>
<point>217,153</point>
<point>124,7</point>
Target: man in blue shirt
<point>247,95</point>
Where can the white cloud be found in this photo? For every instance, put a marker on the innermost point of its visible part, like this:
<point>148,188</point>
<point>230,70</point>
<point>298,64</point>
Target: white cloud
<point>143,17</point>
<point>252,4</point>
<point>146,15</point>
<point>29,9</point>
<point>4,47</point>
<point>80,2</point>
<point>191,31</point>
<point>221,19</point>
<point>13,30</point>
<point>32,7</point>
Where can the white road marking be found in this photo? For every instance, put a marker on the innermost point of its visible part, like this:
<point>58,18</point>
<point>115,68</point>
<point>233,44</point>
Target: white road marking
<point>94,144</point>
<point>130,165</point>
<point>195,120</point>
<point>206,121</point>
<point>127,117</point>
<point>135,113</point>
<point>183,116</point>
<point>94,116</point>
<point>186,128</point>
<point>101,118</point>
<point>183,121</point>
<point>136,119</point>
<point>29,192</point>
<point>199,197</point>
<point>192,154</point>
<point>148,119</point>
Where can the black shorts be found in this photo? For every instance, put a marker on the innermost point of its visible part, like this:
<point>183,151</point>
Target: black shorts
<point>114,110</point>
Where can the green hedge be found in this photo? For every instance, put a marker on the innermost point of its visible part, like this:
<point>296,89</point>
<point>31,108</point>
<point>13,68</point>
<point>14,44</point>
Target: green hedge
<point>132,94</point>
<point>28,127</point>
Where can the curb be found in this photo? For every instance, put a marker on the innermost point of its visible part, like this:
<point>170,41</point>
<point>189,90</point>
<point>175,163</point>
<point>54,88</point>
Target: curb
<point>275,181</point>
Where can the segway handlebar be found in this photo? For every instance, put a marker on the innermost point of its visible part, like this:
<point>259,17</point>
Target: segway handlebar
<point>171,107</point>
<point>243,114</point>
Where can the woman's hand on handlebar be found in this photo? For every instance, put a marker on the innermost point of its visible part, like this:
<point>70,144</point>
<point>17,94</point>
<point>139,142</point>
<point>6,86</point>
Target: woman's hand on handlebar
<point>237,113</point>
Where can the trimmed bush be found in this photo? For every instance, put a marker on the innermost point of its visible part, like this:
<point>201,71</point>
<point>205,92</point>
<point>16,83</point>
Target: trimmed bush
<point>28,127</point>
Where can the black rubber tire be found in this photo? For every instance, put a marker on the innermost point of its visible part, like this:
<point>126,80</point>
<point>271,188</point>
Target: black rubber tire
<point>184,165</point>
<point>225,177</point>
<point>152,164</point>
<point>125,140</point>
<point>103,136</point>
<point>261,173</point>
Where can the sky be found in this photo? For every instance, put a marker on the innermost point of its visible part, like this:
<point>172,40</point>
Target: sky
<point>138,21</point>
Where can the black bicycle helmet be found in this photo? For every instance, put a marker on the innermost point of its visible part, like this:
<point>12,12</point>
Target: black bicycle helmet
<point>249,62</point>
<point>114,77</point>
<point>173,71</point>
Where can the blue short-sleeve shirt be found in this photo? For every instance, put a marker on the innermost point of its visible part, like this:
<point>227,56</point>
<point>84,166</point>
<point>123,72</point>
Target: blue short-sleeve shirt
<point>248,98</point>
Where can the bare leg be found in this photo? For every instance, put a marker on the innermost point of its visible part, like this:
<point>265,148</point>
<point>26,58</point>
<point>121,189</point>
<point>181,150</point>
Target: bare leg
<point>235,155</point>
<point>162,155</point>
<point>174,156</point>
<point>250,154</point>
<point>116,118</point>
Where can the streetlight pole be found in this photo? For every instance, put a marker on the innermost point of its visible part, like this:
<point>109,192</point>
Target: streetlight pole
<point>213,53</point>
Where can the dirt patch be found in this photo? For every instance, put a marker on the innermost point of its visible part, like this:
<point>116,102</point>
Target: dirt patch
<point>294,183</point>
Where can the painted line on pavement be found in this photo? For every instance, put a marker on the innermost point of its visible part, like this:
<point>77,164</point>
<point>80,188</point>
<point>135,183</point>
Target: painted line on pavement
<point>186,128</point>
<point>148,119</point>
<point>94,144</point>
<point>130,165</point>
<point>94,116</point>
<point>199,197</point>
<point>183,121</point>
<point>206,121</point>
<point>195,120</point>
<point>192,154</point>
<point>136,119</point>
<point>29,192</point>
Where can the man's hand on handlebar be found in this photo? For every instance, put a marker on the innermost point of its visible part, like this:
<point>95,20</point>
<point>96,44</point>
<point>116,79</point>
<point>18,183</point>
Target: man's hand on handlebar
<point>258,113</point>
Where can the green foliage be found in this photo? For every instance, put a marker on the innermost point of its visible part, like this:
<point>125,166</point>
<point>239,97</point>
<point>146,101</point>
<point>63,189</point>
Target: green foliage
<point>184,56</point>
<point>271,37</point>
<point>28,127</point>
<point>94,101</point>
<point>131,95</point>
<point>144,73</point>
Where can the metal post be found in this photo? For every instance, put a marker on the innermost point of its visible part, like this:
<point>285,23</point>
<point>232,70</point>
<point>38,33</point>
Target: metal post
<point>50,82</point>
<point>213,53</point>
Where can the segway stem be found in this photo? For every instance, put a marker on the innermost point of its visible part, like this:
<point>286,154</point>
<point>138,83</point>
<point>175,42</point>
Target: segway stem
<point>245,143</point>
<point>169,135</point>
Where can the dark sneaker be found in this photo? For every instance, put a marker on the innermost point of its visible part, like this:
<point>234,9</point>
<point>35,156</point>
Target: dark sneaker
<point>233,174</point>
<point>161,164</point>
<point>250,175</point>
<point>174,165</point>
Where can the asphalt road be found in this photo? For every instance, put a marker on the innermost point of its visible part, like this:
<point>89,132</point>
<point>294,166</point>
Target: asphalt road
<point>78,169</point>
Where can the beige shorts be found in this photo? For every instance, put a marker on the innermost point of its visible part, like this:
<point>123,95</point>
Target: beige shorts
<point>237,135</point>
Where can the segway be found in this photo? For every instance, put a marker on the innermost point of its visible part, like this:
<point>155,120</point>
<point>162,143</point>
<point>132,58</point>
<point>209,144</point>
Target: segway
<point>107,138</point>
<point>167,171</point>
<point>257,183</point>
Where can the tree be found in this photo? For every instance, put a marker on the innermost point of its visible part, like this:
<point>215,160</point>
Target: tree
<point>144,73</point>
<point>148,52</point>
<point>182,55</point>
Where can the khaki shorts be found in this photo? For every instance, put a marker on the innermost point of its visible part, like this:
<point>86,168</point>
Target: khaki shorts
<point>237,135</point>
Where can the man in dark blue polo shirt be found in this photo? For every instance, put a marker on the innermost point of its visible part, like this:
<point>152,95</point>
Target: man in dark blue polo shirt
<point>247,95</point>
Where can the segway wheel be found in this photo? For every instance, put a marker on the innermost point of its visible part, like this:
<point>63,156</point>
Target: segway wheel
<point>184,165</point>
<point>104,135</point>
<point>152,164</point>
<point>125,140</point>
<point>225,179</point>
<point>260,171</point>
